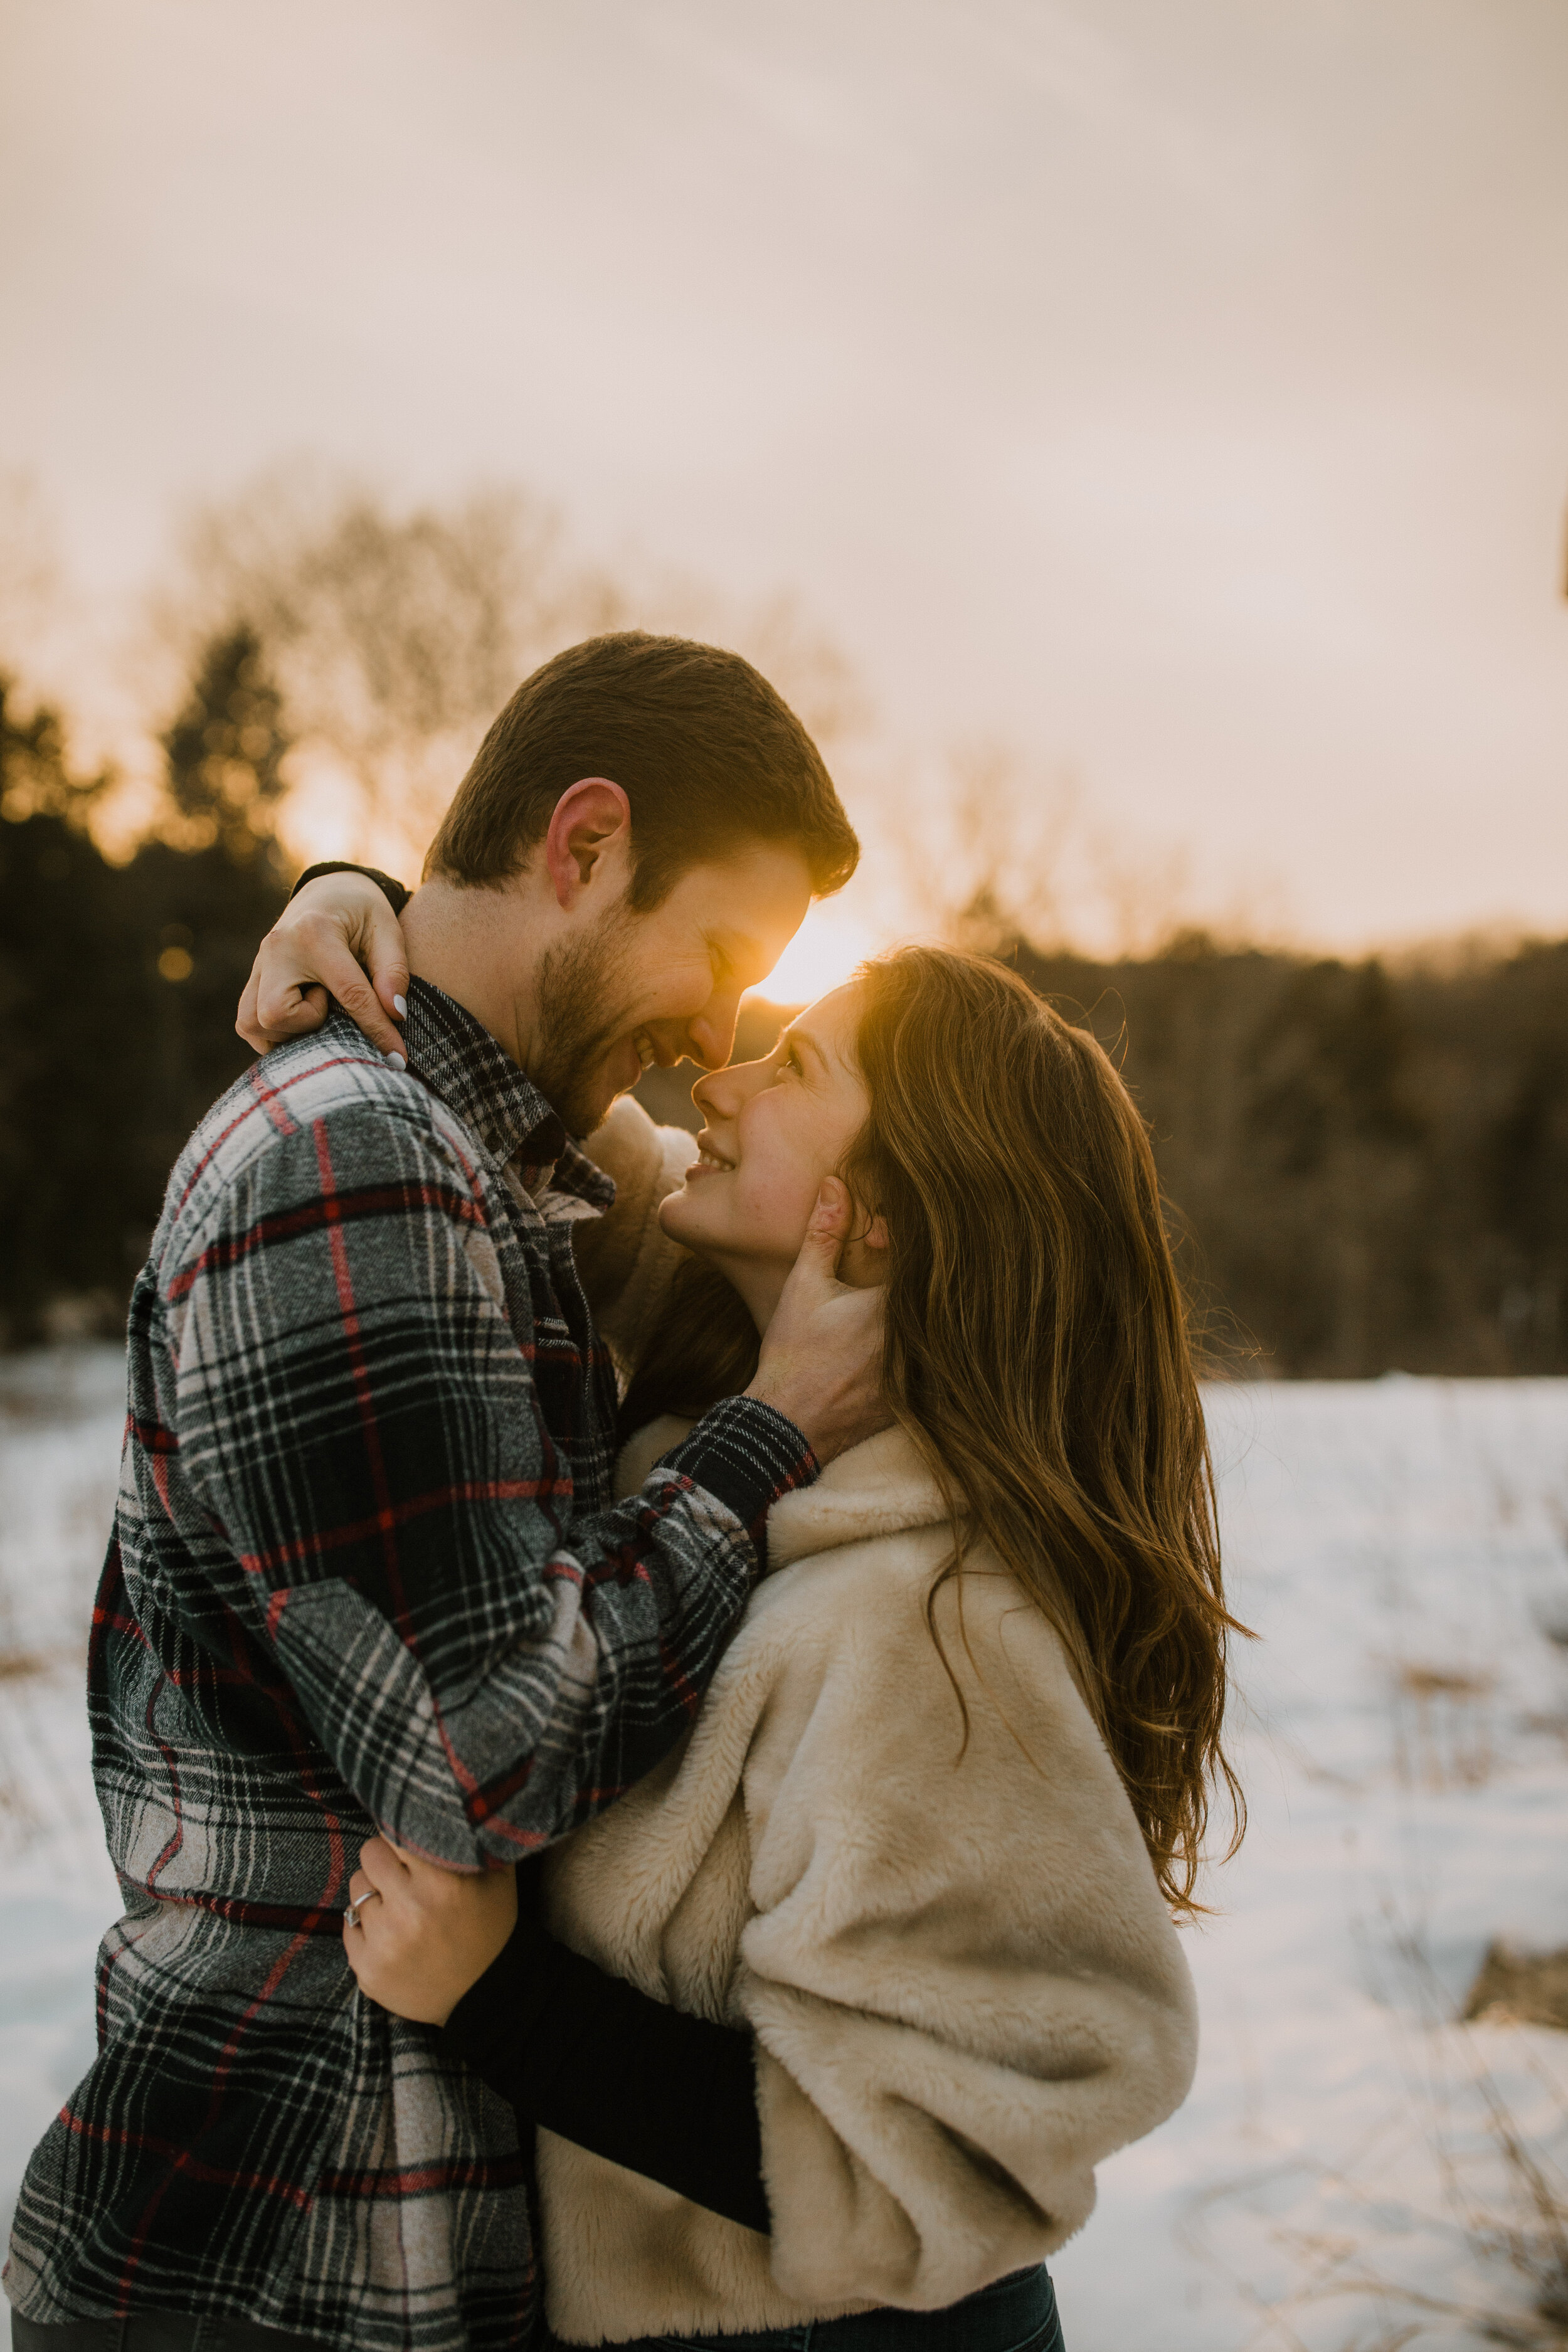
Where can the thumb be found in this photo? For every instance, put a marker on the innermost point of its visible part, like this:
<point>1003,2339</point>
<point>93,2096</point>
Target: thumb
<point>825,1234</point>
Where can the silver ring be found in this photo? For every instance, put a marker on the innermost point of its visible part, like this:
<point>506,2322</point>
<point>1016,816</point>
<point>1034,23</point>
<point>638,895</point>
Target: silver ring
<point>351,1916</point>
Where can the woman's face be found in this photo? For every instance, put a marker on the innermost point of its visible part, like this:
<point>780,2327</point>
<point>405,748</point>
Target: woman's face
<point>773,1131</point>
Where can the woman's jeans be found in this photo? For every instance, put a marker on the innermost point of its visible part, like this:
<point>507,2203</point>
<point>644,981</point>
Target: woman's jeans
<point>1016,2315</point>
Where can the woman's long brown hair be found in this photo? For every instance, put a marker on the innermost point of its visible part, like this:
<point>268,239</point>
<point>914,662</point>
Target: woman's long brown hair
<point>1038,1353</point>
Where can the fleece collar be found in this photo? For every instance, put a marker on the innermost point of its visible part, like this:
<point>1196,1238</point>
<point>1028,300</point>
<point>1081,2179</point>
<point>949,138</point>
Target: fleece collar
<point>877,1488</point>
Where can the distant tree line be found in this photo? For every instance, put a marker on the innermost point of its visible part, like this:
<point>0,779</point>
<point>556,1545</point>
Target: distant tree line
<point>118,986</point>
<point>1366,1167</point>
<point>1368,1163</point>
<point>1371,1164</point>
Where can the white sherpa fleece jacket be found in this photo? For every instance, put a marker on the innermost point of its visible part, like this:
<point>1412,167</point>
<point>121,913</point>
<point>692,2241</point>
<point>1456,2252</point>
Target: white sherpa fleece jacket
<point>625,1259</point>
<point>964,1987</point>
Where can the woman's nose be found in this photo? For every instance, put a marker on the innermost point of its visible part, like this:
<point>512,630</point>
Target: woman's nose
<point>712,1095</point>
<point>723,1093</point>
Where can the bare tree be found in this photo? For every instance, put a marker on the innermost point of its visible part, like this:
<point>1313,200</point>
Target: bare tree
<point>30,576</point>
<point>991,850</point>
<point>395,637</point>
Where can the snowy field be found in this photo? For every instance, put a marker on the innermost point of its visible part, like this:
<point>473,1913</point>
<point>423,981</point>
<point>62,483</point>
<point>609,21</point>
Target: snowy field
<point>1355,2171</point>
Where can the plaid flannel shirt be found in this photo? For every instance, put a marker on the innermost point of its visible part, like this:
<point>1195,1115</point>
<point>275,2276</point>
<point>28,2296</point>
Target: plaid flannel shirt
<point>365,1572</point>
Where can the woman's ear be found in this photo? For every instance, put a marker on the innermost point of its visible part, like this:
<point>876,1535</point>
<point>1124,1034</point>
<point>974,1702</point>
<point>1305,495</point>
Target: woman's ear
<point>863,1261</point>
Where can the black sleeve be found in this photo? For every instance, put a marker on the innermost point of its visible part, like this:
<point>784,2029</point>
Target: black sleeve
<point>397,893</point>
<point>596,2061</point>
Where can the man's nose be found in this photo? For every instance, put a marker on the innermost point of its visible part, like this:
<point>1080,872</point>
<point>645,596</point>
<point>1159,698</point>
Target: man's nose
<point>711,1034</point>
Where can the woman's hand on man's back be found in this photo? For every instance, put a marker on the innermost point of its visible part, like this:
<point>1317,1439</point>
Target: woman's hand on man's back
<point>423,1935</point>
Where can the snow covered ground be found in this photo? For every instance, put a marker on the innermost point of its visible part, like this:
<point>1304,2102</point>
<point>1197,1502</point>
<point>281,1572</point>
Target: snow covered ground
<point>62,1412</point>
<point>1338,2180</point>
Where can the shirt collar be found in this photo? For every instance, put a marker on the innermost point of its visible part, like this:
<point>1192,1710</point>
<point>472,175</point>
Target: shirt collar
<point>458,1059</point>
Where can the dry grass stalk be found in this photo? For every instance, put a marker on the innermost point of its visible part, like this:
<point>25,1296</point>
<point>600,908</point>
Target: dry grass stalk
<point>1442,1726</point>
<point>1514,1987</point>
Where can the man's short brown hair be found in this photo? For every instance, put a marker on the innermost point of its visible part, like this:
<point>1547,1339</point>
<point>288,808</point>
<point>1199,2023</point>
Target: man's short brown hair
<point>708,755</point>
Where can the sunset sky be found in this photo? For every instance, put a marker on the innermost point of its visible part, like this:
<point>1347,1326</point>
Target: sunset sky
<point>1177,392</point>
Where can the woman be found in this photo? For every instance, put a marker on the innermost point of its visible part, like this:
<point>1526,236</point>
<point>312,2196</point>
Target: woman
<point>926,1835</point>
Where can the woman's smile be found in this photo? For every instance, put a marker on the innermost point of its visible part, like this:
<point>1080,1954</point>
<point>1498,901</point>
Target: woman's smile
<point>708,1161</point>
<point>786,1122</point>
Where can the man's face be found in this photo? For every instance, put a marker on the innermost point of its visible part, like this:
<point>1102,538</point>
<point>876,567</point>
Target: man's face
<point>636,989</point>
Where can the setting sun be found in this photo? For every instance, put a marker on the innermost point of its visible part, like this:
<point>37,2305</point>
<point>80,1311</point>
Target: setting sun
<point>825,950</point>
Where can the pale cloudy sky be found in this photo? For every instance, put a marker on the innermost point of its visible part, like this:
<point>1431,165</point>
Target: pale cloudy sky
<point>1179,391</point>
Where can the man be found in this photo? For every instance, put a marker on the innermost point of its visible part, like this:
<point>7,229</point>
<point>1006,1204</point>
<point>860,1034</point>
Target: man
<point>365,1574</point>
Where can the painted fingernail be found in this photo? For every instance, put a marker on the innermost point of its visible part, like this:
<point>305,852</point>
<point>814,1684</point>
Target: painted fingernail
<point>396,1060</point>
<point>400,1006</point>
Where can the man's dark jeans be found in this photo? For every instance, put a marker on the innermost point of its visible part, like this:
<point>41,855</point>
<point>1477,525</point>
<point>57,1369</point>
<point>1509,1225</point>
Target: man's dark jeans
<point>154,2331</point>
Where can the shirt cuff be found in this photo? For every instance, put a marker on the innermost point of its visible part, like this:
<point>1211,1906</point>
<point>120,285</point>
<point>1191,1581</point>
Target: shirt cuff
<point>747,1455</point>
<point>397,893</point>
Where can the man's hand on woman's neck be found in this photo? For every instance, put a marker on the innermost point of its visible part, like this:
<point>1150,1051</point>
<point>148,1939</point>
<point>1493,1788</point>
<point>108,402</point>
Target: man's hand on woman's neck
<point>761,1280</point>
<point>822,1349</point>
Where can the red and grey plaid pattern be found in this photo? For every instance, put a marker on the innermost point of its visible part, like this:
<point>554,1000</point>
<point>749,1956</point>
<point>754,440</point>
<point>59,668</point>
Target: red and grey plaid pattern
<point>365,1572</point>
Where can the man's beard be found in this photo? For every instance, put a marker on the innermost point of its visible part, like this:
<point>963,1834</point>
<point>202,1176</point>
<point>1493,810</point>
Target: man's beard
<point>585,1007</point>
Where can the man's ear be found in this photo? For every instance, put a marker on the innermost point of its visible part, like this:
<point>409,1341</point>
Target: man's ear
<point>593,818</point>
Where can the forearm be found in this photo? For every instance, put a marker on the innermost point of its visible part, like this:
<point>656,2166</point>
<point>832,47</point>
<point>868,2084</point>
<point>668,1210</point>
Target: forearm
<point>592,2059</point>
<point>397,894</point>
<point>486,1663</point>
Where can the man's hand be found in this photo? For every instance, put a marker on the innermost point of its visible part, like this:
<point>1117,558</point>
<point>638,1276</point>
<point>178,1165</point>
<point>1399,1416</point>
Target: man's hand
<point>821,1364</point>
<point>324,942</point>
<point>424,1935</point>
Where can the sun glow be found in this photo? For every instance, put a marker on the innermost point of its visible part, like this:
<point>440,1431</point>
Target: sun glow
<point>825,950</point>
